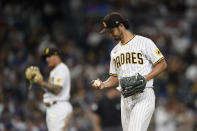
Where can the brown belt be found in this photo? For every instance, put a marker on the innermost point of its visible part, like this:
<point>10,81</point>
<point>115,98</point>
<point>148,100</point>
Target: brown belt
<point>50,104</point>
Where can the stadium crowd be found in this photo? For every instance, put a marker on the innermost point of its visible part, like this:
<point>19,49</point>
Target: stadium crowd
<point>28,27</point>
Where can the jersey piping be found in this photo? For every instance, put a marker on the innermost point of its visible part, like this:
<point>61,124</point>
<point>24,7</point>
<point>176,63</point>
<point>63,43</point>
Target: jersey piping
<point>159,60</point>
<point>127,41</point>
<point>115,75</point>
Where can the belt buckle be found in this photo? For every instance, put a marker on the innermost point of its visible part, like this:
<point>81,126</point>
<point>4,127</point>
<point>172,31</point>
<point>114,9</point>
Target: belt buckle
<point>49,105</point>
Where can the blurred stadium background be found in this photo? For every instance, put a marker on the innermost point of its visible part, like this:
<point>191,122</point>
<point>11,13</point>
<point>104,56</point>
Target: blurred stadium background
<point>28,27</point>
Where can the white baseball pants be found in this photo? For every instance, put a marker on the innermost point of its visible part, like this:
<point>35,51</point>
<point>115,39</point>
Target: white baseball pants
<point>137,110</point>
<point>57,115</point>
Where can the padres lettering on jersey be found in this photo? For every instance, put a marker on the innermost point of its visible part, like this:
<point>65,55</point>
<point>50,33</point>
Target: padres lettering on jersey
<point>128,58</point>
<point>139,55</point>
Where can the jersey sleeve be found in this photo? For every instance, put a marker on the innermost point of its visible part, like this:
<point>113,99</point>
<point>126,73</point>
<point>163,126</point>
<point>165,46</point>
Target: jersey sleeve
<point>61,76</point>
<point>153,53</point>
<point>112,69</point>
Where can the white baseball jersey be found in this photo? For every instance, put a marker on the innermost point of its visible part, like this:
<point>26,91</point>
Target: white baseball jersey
<point>57,114</point>
<point>139,55</point>
<point>60,75</point>
<point>136,56</point>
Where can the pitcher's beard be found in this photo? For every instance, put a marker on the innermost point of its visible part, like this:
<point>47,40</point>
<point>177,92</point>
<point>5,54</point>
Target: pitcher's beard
<point>117,38</point>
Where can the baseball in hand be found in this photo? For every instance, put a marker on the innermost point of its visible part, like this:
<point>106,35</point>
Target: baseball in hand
<point>97,83</point>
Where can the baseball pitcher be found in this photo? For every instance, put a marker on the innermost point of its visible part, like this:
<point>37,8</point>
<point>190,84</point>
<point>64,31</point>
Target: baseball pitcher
<point>135,61</point>
<point>57,90</point>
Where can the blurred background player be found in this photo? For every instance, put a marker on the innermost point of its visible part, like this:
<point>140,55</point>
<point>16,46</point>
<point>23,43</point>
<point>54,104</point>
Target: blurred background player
<point>57,92</point>
<point>107,112</point>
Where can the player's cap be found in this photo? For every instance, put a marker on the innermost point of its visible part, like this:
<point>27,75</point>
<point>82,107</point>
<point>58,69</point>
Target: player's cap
<point>51,51</point>
<point>112,20</point>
